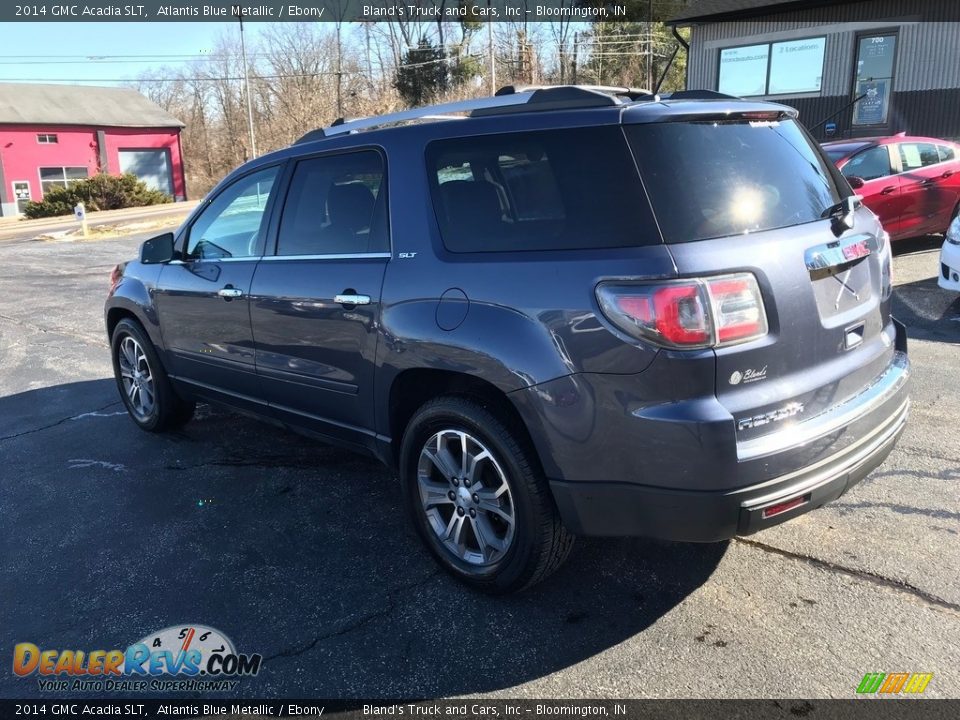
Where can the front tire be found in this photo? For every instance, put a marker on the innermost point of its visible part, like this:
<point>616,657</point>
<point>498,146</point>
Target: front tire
<point>477,498</point>
<point>144,387</point>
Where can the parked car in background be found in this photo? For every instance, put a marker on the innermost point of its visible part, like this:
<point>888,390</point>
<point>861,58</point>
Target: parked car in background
<point>911,183</point>
<point>949,277</point>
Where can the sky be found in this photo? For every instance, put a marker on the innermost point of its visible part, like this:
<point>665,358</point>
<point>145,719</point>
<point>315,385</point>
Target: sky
<point>58,52</point>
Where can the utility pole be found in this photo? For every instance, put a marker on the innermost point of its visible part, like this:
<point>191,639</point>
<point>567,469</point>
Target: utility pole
<point>339,70</point>
<point>246,88</point>
<point>493,58</point>
<point>573,69</point>
<point>649,44</point>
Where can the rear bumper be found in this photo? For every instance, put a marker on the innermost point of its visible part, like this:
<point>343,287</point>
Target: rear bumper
<point>949,276</point>
<point>602,508</point>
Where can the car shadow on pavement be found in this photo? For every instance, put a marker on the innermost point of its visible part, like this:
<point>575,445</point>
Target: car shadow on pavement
<point>295,550</point>
<point>909,246</point>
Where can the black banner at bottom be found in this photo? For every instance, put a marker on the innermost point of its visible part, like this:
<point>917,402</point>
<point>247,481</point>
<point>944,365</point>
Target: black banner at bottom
<point>862,708</point>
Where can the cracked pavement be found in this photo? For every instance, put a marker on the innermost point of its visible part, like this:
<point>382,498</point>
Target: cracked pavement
<point>300,552</point>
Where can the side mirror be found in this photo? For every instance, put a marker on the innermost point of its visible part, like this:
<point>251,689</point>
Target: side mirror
<point>855,182</point>
<point>157,249</point>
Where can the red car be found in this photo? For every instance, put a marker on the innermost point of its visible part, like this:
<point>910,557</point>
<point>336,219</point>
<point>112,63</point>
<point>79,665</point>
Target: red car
<point>911,183</point>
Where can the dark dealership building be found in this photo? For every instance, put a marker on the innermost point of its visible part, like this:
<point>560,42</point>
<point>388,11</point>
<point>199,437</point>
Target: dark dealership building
<point>853,68</point>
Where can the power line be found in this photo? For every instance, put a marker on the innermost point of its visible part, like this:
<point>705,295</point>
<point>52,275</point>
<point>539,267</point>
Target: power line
<point>171,79</point>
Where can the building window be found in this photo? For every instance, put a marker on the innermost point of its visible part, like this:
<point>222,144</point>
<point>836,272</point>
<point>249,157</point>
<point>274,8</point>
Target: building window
<point>780,68</point>
<point>60,176</point>
<point>46,138</point>
<point>874,78</point>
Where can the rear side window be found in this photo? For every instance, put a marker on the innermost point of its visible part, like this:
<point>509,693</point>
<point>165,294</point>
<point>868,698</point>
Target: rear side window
<point>549,190</point>
<point>710,179</point>
<point>335,206</point>
<point>914,156</point>
<point>946,153</point>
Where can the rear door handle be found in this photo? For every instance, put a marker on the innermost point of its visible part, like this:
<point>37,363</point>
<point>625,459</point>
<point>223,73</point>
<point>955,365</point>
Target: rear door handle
<point>350,299</point>
<point>229,292</point>
<point>948,173</point>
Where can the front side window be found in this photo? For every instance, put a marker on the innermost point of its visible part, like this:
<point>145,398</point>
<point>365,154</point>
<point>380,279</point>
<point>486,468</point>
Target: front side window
<point>914,156</point>
<point>711,179</point>
<point>60,176</point>
<point>232,224</point>
<point>869,164</point>
<point>548,190</point>
<point>336,205</point>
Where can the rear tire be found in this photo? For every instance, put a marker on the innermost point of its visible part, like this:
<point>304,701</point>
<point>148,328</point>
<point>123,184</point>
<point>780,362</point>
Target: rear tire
<point>478,499</point>
<point>144,387</point>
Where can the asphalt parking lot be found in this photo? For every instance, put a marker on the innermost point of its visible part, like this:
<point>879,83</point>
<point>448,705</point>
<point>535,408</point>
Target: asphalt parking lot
<point>300,552</point>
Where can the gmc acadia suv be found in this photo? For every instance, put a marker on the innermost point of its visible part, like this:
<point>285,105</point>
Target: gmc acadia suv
<point>576,310</point>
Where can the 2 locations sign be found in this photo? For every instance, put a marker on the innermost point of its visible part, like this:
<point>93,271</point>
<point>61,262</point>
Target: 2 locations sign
<point>329,10</point>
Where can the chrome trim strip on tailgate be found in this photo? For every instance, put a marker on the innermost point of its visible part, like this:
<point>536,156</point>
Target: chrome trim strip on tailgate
<point>837,253</point>
<point>838,416</point>
<point>824,472</point>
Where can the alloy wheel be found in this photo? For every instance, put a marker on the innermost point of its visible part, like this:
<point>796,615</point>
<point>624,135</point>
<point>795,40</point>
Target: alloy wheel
<point>136,377</point>
<point>466,497</point>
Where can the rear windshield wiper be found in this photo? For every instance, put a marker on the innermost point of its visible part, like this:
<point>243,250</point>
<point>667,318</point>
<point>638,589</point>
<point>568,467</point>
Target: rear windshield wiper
<point>842,214</point>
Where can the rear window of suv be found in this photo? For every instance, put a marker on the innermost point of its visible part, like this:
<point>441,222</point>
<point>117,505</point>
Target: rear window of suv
<point>546,190</point>
<point>710,179</point>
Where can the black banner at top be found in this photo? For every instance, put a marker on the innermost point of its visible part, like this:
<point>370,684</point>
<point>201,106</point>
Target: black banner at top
<point>487,709</point>
<point>675,11</point>
<point>329,11</point>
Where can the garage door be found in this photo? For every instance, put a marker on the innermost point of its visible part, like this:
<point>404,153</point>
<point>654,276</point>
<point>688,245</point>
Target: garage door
<point>151,166</point>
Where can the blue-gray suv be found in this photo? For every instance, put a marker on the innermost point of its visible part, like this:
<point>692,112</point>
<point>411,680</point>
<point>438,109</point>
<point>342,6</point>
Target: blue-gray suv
<point>557,311</point>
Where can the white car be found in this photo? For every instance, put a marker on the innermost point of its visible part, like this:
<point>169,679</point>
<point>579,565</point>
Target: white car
<point>949,277</point>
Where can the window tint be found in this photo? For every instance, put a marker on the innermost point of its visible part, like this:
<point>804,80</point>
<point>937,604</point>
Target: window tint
<point>917,155</point>
<point>842,150</point>
<point>231,226</point>
<point>711,179</point>
<point>869,164</point>
<point>550,190</point>
<point>335,206</point>
<point>946,153</point>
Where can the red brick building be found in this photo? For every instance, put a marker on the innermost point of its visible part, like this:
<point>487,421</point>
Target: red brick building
<point>52,134</point>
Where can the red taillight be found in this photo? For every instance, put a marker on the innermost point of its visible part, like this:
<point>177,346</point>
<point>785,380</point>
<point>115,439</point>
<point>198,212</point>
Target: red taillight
<point>693,313</point>
<point>681,317</point>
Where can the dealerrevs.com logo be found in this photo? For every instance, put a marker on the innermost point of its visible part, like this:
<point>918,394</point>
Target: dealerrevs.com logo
<point>177,658</point>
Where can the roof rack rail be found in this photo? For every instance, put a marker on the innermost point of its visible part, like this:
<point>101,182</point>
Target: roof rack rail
<point>507,100</point>
<point>629,92</point>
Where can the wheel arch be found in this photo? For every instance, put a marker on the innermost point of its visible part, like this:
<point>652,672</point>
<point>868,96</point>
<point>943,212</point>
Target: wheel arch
<point>412,388</point>
<point>132,299</point>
